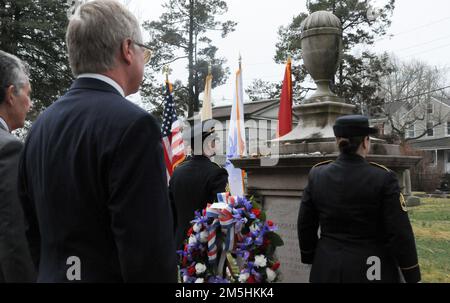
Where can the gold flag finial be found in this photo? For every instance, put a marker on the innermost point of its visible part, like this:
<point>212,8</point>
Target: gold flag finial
<point>166,71</point>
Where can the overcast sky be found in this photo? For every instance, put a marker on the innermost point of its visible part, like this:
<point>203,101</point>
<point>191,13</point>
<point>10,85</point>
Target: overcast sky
<point>420,29</point>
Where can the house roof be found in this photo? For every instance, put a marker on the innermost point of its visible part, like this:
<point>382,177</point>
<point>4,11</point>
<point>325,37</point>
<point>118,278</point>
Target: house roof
<point>393,107</point>
<point>433,144</point>
<point>249,108</point>
<point>443,100</point>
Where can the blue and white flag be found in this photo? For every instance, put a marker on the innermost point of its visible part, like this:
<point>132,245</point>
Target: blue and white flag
<point>236,138</point>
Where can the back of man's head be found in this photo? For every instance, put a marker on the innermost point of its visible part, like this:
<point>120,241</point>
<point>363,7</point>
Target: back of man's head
<point>12,72</point>
<point>95,34</point>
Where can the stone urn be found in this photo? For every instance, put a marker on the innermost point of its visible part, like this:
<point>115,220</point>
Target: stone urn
<point>321,43</point>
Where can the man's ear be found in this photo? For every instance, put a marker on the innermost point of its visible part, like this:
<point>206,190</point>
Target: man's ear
<point>367,142</point>
<point>9,95</point>
<point>126,51</point>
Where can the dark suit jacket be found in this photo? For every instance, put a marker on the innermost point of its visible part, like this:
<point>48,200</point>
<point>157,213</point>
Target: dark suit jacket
<point>359,210</point>
<point>94,186</point>
<point>194,184</point>
<point>15,259</point>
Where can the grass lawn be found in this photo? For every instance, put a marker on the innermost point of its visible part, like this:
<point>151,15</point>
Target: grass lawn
<point>431,224</point>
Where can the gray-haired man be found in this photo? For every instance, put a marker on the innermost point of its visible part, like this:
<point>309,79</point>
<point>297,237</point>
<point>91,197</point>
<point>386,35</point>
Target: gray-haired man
<point>15,260</point>
<point>92,171</point>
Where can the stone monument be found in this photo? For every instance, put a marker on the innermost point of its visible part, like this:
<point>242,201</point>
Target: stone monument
<point>280,186</point>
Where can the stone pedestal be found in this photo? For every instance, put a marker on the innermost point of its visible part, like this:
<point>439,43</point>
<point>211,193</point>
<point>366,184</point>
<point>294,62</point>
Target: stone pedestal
<point>316,120</point>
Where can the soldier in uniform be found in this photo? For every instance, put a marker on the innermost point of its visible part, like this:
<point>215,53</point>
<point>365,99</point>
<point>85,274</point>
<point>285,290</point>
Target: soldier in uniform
<point>365,233</point>
<point>196,181</point>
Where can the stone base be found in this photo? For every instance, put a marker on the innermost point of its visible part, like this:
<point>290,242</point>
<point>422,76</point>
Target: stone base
<point>316,121</point>
<point>280,189</point>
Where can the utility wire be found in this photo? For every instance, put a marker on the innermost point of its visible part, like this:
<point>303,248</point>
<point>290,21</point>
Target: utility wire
<point>422,94</point>
<point>413,29</point>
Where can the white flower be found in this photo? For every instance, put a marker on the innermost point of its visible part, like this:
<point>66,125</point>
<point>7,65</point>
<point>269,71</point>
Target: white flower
<point>185,279</point>
<point>271,275</point>
<point>244,277</point>
<point>200,268</point>
<point>260,261</point>
<point>200,280</point>
<point>204,236</point>
<point>197,227</point>
<point>192,240</point>
<point>254,228</point>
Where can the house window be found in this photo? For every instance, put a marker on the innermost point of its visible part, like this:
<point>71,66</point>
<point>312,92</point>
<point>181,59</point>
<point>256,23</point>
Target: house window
<point>430,108</point>
<point>430,129</point>
<point>411,132</point>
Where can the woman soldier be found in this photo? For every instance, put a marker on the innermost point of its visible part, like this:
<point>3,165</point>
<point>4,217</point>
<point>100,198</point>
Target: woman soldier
<point>365,233</point>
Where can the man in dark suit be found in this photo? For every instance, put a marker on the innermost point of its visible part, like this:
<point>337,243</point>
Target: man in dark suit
<point>196,181</point>
<point>93,180</point>
<point>15,259</point>
<point>365,233</point>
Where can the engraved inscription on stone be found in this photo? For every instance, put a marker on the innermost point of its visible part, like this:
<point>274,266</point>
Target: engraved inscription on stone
<point>284,212</point>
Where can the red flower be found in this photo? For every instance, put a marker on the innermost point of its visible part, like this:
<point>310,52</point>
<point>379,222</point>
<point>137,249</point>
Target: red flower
<point>190,231</point>
<point>276,266</point>
<point>256,212</point>
<point>184,261</point>
<point>270,223</point>
<point>191,270</point>
<point>251,279</point>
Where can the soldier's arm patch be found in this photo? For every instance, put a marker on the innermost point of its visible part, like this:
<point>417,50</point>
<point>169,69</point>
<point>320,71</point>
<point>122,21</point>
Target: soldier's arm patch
<point>403,203</point>
<point>323,163</point>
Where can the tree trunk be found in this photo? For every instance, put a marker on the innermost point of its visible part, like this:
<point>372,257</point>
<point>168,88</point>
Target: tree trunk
<point>196,80</point>
<point>191,59</point>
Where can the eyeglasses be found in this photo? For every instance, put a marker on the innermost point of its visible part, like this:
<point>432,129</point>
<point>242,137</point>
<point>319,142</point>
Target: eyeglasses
<point>147,52</point>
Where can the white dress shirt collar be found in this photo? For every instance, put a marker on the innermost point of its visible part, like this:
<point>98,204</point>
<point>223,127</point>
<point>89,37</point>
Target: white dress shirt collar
<point>104,79</point>
<point>4,124</point>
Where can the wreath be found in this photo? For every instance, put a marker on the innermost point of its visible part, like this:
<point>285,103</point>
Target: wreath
<point>230,241</point>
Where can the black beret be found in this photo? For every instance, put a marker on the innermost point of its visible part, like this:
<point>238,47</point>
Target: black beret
<point>201,130</point>
<point>353,126</point>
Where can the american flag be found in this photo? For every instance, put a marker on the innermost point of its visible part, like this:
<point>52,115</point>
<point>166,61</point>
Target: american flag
<point>171,134</point>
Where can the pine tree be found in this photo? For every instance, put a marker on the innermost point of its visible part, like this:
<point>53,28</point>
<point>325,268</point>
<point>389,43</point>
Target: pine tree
<point>181,33</point>
<point>34,31</point>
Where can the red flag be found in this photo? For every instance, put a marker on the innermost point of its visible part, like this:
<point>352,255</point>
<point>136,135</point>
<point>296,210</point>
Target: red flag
<point>285,112</point>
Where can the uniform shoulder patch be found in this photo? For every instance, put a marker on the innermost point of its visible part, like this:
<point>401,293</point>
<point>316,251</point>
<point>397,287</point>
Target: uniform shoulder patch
<point>380,166</point>
<point>323,163</point>
<point>403,203</point>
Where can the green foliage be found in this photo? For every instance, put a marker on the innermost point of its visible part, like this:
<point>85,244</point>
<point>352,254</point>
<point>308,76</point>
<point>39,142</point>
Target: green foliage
<point>275,239</point>
<point>263,90</point>
<point>34,31</point>
<point>182,33</point>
